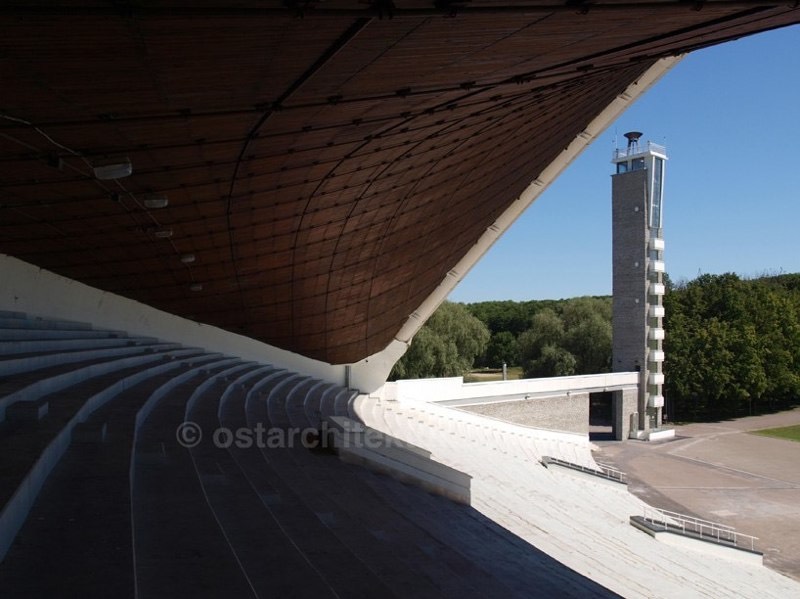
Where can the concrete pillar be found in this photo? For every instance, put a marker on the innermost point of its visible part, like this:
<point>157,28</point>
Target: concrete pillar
<point>625,403</point>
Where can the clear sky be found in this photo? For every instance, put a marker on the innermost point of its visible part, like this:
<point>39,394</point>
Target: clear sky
<point>730,118</point>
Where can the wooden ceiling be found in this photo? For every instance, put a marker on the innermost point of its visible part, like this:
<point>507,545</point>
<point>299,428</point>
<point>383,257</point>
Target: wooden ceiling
<point>326,164</point>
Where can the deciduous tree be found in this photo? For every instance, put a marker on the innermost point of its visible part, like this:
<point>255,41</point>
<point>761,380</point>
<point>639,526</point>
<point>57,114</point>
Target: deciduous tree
<point>446,345</point>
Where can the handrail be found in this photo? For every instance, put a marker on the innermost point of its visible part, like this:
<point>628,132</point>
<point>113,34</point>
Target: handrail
<point>721,533</point>
<point>603,472</point>
<point>635,151</point>
<point>612,472</point>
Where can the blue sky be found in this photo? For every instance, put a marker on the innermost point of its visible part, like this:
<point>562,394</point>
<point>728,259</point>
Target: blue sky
<point>730,118</point>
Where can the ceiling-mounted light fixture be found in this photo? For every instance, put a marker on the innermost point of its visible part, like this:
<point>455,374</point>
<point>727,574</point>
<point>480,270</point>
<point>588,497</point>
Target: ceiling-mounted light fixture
<point>107,170</point>
<point>154,200</point>
<point>196,287</point>
<point>55,161</point>
<point>163,233</point>
<point>187,258</point>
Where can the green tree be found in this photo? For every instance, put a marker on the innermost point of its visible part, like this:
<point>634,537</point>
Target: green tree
<point>576,341</point>
<point>731,345</point>
<point>589,340</point>
<point>547,328</point>
<point>500,316</point>
<point>446,345</point>
<point>580,309</point>
<point>552,361</point>
<point>502,349</point>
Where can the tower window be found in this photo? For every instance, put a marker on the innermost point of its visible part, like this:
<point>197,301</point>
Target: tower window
<point>658,187</point>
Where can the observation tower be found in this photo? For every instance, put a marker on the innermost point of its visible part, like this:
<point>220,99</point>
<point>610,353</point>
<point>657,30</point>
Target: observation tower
<point>638,275</point>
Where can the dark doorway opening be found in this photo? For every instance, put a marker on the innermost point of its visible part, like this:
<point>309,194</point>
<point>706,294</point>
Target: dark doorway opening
<point>601,416</point>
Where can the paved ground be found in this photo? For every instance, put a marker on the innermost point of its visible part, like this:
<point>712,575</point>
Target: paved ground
<point>720,472</point>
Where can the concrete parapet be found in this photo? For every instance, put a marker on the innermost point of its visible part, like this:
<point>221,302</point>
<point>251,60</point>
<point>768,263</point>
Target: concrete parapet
<point>696,542</point>
<point>377,451</point>
<point>34,288</point>
<point>568,412</point>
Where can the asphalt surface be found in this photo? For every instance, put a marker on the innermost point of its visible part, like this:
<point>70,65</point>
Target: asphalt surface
<point>721,472</point>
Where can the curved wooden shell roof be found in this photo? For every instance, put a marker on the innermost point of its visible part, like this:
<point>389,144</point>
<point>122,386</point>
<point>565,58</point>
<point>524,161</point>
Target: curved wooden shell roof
<point>326,164</point>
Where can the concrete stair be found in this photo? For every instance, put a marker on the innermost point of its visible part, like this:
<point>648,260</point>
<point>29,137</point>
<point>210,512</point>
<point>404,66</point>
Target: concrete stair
<point>579,521</point>
<point>98,483</point>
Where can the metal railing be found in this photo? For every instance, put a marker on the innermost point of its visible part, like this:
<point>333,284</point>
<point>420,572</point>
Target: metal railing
<point>648,146</point>
<point>714,531</point>
<point>603,472</point>
<point>612,473</point>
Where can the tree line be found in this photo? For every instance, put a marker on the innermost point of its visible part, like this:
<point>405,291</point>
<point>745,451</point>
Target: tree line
<point>546,338</point>
<point>732,345</point>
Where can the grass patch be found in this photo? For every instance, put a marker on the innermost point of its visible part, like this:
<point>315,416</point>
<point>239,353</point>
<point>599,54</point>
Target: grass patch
<point>484,375</point>
<point>791,433</point>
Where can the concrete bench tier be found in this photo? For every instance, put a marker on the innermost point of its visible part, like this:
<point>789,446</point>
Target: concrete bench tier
<point>18,334</point>
<point>55,438</point>
<point>42,323</point>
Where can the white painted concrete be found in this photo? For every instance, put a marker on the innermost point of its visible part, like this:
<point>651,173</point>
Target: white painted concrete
<point>454,391</point>
<point>661,435</point>
<point>704,548</point>
<point>28,288</point>
<point>370,373</point>
<point>582,523</point>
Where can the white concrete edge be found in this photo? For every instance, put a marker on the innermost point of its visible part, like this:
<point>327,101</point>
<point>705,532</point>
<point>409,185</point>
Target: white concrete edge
<point>487,400</point>
<point>233,367</point>
<point>704,547</point>
<point>366,373</point>
<point>435,477</point>
<point>572,382</point>
<point>242,379</point>
<point>587,476</point>
<point>661,435</point>
<point>454,391</point>
<point>39,292</point>
<point>501,425</point>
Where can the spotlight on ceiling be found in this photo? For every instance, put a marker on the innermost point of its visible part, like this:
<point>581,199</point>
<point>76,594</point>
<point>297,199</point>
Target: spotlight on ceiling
<point>163,233</point>
<point>154,200</point>
<point>112,169</point>
<point>187,258</point>
<point>196,287</point>
<point>55,161</point>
